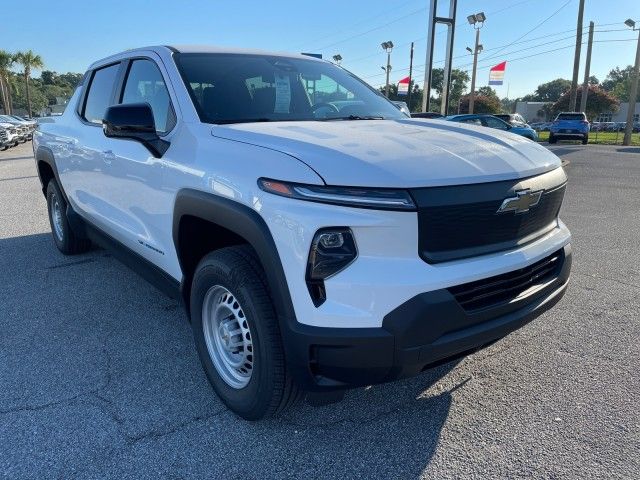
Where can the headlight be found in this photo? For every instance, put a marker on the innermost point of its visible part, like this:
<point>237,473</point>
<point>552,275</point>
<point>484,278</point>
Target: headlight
<point>362,197</point>
<point>332,250</point>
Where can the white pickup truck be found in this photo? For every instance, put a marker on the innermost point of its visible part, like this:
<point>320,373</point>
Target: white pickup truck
<point>318,237</point>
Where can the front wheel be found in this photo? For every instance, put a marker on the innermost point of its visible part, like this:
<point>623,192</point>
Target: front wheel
<point>585,139</point>
<point>237,334</point>
<point>63,236</point>
<point>552,138</point>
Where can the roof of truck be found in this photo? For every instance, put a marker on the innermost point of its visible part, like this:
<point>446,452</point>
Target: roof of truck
<point>199,49</point>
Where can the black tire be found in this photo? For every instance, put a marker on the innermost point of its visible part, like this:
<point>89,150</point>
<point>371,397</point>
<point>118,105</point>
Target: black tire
<point>552,138</point>
<point>585,139</point>
<point>270,388</point>
<point>64,237</point>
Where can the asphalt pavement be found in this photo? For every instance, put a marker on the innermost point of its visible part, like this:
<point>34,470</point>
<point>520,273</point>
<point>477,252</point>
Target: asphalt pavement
<point>99,377</point>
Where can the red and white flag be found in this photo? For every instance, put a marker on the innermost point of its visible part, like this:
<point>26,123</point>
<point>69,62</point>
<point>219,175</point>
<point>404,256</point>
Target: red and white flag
<point>403,86</point>
<point>496,74</point>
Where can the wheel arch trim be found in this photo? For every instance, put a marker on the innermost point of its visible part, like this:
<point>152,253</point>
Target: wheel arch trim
<point>244,222</point>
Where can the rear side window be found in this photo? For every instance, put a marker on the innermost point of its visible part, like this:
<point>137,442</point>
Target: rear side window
<point>571,116</point>
<point>100,94</point>
<point>145,85</point>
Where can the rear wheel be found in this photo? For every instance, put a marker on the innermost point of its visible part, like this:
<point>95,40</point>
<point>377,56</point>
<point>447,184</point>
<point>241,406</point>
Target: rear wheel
<point>63,236</point>
<point>237,334</point>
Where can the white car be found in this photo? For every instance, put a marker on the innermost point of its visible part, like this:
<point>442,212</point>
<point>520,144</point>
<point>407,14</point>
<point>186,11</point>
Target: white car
<point>319,238</point>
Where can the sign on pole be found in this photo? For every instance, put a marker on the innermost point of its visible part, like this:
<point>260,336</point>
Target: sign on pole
<point>403,86</point>
<point>496,74</point>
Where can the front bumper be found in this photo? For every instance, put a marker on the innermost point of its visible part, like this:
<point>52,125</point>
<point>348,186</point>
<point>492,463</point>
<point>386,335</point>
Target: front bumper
<point>426,329</point>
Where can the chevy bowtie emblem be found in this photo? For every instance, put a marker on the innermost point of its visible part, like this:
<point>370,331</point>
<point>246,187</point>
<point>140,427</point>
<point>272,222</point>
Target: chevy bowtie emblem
<point>522,202</point>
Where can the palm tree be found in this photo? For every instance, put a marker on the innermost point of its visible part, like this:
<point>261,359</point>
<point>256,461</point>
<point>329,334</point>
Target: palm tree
<point>6,61</point>
<point>28,60</point>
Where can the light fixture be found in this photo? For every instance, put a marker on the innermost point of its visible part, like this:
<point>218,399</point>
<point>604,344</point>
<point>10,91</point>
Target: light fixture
<point>469,50</point>
<point>630,23</point>
<point>480,48</point>
<point>479,17</point>
<point>337,58</point>
<point>388,46</point>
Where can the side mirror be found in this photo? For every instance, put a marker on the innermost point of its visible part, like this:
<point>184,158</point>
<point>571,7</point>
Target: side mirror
<point>134,121</point>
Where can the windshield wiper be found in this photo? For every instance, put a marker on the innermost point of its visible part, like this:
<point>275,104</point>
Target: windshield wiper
<point>243,120</point>
<point>353,117</point>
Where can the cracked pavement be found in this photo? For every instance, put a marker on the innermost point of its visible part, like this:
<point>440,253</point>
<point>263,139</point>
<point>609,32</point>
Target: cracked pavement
<point>99,377</point>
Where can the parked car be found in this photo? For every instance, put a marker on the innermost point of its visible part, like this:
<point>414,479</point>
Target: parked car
<point>4,139</point>
<point>23,130</point>
<point>571,126</point>
<point>492,121</point>
<point>316,247</point>
<point>402,106</point>
<point>514,119</point>
<point>13,133</point>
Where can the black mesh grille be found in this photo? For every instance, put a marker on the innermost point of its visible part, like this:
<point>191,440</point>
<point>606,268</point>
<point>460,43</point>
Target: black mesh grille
<point>504,288</point>
<point>462,221</point>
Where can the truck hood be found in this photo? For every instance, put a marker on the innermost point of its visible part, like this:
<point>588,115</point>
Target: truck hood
<point>398,153</point>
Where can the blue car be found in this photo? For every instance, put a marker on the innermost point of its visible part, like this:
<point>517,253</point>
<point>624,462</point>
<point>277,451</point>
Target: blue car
<point>494,122</point>
<point>570,126</point>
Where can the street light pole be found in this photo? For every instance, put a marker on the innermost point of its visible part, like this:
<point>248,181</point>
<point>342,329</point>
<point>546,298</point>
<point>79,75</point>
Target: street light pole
<point>634,88</point>
<point>473,73</point>
<point>387,46</point>
<point>476,21</point>
<point>386,89</point>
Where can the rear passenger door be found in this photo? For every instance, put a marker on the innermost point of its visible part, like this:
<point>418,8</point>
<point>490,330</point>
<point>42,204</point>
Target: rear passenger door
<point>83,169</point>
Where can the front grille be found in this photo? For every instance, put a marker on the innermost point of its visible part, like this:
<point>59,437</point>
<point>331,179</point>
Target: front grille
<point>492,291</point>
<point>462,221</point>
<point>3,136</point>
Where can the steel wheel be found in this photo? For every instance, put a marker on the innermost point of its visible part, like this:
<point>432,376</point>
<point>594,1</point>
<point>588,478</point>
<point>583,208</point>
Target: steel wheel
<point>56,217</point>
<point>227,336</point>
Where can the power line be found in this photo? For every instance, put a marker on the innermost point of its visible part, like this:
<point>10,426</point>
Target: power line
<point>365,20</point>
<point>416,40</point>
<point>372,29</point>
<point>535,27</point>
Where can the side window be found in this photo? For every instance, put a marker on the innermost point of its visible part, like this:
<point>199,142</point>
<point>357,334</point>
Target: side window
<point>145,84</point>
<point>100,92</point>
<point>496,123</point>
<point>472,121</point>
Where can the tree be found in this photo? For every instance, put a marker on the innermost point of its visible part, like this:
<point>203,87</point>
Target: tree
<point>481,104</point>
<point>28,60</point>
<point>487,92</point>
<point>598,101</point>
<point>616,76</point>
<point>459,81</point>
<point>550,91</point>
<point>6,61</point>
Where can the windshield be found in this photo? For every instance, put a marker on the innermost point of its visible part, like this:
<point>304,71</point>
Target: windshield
<point>234,88</point>
<point>571,116</point>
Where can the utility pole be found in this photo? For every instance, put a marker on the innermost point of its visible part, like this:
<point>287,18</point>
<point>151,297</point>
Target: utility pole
<point>410,76</point>
<point>634,89</point>
<point>587,67</point>
<point>576,60</point>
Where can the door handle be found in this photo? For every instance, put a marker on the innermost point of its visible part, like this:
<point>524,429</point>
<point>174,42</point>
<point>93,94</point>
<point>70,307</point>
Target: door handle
<point>108,156</point>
